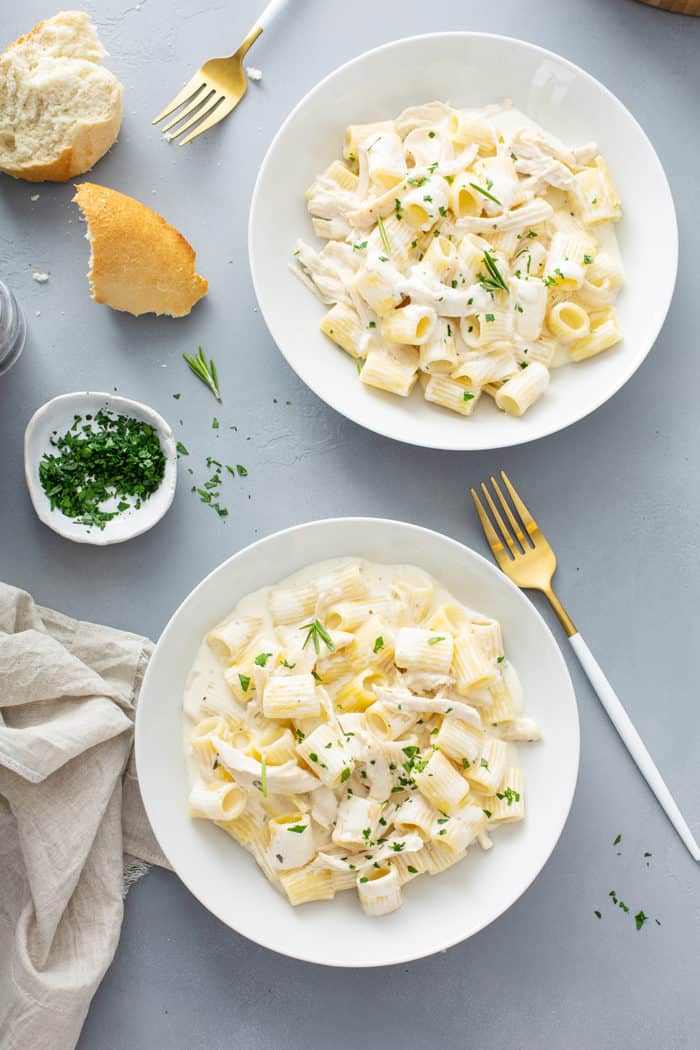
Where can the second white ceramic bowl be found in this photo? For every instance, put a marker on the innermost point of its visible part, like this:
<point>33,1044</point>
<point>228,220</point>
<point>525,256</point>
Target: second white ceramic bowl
<point>464,69</point>
<point>437,911</point>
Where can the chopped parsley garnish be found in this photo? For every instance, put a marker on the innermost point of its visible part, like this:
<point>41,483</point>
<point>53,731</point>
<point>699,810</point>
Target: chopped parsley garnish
<point>286,663</point>
<point>345,775</point>
<point>597,915</point>
<point>398,209</point>
<point>372,324</point>
<point>366,832</point>
<point>397,846</point>
<point>378,644</point>
<point>443,211</point>
<point>317,633</point>
<point>313,756</point>
<point>109,456</point>
<point>300,735</point>
<point>618,838</point>
<point>316,675</point>
<point>364,879</point>
<point>244,679</point>
<point>466,763</point>
<point>588,259</point>
<point>436,639</point>
<point>360,246</point>
<point>413,871</point>
<point>182,449</point>
<point>298,828</point>
<point>639,919</point>
<point>510,794</point>
<point>488,813</point>
<point>500,659</point>
<point>484,763</point>
<point>490,317</point>
<point>432,168</point>
<point>262,658</point>
<point>468,396</point>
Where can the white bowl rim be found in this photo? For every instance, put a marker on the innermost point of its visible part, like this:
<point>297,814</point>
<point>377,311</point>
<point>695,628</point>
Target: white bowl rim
<point>419,531</point>
<point>335,402</point>
<point>121,404</point>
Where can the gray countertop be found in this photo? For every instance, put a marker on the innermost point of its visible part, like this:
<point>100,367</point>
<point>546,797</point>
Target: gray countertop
<point>618,494</point>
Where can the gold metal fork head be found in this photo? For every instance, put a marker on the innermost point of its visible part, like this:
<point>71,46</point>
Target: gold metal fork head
<point>213,92</point>
<point>517,543</point>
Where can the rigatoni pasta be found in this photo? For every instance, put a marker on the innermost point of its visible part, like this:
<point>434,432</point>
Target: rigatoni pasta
<point>464,247</point>
<point>350,728</point>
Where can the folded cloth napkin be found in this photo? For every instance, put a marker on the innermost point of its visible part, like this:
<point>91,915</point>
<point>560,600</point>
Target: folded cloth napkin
<point>73,831</point>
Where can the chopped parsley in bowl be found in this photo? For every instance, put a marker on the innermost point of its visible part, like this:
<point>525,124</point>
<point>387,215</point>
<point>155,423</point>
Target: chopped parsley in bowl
<point>100,468</point>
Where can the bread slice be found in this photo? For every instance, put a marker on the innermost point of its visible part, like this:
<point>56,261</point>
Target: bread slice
<point>60,110</point>
<point>139,262</point>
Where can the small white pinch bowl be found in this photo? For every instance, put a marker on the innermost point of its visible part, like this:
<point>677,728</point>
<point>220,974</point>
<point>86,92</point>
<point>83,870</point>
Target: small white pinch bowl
<point>57,416</point>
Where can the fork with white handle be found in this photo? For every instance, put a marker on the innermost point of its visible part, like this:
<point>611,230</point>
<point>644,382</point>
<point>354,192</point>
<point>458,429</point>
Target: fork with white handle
<point>525,556</point>
<point>216,88</point>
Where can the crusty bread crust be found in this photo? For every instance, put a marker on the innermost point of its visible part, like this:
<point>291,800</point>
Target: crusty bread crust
<point>140,263</point>
<point>90,140</point>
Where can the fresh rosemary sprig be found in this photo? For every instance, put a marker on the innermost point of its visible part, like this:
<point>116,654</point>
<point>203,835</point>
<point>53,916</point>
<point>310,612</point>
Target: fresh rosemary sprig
<point>492,281</point>
<point>382,234</point>
<point>204,372</point>
<point>475,186</point>
<point>317,631</point>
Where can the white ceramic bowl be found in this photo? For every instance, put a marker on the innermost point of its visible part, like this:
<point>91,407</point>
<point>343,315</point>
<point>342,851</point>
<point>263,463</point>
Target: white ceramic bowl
<point>467,69</point>
<point>58,415</point>
<point>438,911</point>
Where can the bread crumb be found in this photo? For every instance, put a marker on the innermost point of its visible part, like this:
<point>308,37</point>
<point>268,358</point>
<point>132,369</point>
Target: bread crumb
<point>253,72</point>
<point>35,197</point>
<point>40,278</point>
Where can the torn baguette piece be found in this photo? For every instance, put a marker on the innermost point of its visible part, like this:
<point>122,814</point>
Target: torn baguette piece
<point>139,263</point>
<point>60,110</point>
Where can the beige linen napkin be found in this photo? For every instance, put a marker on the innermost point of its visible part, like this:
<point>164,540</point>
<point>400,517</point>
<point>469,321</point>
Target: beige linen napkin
<point>73,832</point>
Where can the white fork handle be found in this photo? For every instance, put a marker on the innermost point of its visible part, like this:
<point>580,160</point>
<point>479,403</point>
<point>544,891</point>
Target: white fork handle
<point>271,12</point>
<point>632,740</point>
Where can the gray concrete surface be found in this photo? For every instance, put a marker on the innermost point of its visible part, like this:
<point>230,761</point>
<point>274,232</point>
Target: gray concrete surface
<point>618,494</point>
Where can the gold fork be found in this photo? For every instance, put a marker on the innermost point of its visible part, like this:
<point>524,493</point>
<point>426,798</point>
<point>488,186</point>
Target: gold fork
<point>216,88</point>
<point>523,553</point>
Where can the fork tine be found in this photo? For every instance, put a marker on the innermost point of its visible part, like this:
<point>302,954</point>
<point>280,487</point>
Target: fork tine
<point>193,86</point>
<point>515,525</point>
<point>215,115</point>
<point>201,114</point>
<point>195,106</point>
<point>528,521</point>
<point>500,522</point>
<point>497,548</point>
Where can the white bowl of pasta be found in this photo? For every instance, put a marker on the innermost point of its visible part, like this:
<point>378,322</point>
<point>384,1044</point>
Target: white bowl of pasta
<point>352,731</point>
<point>478,212</point>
